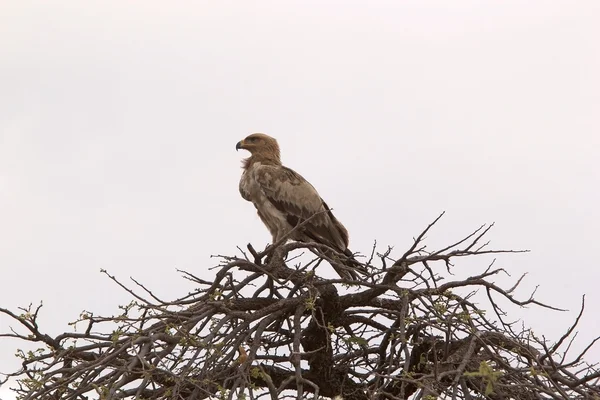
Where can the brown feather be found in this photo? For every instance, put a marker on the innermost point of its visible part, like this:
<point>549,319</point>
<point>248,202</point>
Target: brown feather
<point>284,199</point>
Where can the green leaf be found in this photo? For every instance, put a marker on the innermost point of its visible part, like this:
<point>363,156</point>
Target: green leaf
<point>358,340</point>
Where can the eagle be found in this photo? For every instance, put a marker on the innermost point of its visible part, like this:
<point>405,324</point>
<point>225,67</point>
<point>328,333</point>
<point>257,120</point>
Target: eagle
<point>284,199</point>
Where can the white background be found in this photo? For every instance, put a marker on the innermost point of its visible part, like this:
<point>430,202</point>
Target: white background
<point>118,123</point>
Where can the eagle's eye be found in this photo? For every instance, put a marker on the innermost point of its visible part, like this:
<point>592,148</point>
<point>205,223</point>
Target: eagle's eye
<point>252,139</point>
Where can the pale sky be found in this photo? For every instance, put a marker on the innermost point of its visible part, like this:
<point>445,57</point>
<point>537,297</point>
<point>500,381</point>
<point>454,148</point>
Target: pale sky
<point>119,119</point>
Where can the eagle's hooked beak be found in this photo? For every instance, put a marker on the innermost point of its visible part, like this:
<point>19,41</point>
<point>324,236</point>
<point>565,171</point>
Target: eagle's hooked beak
<point>239,145</point>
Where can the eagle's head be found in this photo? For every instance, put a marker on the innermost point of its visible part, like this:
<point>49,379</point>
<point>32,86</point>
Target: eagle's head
<point>260,146</point>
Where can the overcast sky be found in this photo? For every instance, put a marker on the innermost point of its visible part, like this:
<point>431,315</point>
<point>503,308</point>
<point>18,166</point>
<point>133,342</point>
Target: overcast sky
<point>118,124</point>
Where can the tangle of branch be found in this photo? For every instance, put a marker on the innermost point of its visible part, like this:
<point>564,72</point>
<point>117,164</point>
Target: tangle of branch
<point>266,327</point>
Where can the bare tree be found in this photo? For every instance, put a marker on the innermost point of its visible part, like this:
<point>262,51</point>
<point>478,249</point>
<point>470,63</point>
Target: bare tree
<point>270,327</point>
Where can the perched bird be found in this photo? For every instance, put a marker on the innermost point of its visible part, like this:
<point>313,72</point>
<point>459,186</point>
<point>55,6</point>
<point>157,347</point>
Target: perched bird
<point>284,199</point>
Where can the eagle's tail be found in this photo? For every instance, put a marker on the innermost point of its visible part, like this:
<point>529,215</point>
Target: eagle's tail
<point>349,268</point>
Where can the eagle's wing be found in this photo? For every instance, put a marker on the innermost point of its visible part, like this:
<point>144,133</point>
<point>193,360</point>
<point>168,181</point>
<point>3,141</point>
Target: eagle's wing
<point>298,200</point>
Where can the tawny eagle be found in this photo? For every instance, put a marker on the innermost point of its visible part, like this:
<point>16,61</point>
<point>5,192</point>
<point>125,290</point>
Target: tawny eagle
<point>284,199</point>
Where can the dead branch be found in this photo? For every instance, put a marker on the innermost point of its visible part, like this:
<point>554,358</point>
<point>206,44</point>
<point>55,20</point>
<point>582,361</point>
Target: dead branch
<point>276,330</point>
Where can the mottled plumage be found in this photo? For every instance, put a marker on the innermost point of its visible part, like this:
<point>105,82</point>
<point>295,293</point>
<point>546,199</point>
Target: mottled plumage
<point>283,199</point>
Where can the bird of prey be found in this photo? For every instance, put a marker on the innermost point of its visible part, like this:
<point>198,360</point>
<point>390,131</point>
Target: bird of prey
<point>284,199</point>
